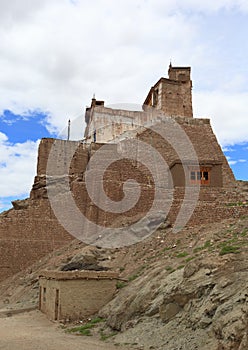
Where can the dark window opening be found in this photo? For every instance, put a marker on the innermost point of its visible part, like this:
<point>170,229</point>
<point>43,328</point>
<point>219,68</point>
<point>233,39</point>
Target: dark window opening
<point>155,97</point>
<point>205,175</point>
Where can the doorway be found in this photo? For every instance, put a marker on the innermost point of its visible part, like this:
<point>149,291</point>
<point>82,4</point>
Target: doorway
<point>56,305</point>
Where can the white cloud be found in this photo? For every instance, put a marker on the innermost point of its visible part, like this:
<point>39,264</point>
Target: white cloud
<point>228,149</point>
<point>214,5</point>
<point>232,162</point>
<point>17,166</point>
<point>3,137</point>
<point>228,114</point>
<point>235,161</point>
<point>55,54</point>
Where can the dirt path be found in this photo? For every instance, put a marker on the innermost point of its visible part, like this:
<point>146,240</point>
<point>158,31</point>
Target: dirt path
<point>32,331</point>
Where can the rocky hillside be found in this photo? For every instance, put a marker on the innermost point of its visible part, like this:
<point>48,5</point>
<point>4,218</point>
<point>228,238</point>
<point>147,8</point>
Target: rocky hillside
<point>180,291</point>
<point>195,299</point>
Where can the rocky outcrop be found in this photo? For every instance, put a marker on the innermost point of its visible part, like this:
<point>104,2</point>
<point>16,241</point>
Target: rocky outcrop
<point>87,259</point>
<point>20,204</point>
<point>203,306</point>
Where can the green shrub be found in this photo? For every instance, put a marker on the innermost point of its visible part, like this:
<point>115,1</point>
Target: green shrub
<point>207,245</point>
<point>180,267</point>
<point>85,328</point>
<point>97,320</point>
<point>244,233</point>
<point>120,284</point>
<point>133,277</point>
<point>165,249</point>
<point>229,249</point>
<point>198,249</point>
<point>182,255</point>
<point>189,258</point>
<point>105,336</point>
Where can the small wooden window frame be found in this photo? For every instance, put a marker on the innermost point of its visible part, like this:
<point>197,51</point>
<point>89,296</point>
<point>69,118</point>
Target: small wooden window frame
<point>200,176</point>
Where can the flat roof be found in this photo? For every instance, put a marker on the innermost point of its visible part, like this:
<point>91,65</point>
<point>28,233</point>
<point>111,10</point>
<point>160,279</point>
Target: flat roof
<point>76,274</point>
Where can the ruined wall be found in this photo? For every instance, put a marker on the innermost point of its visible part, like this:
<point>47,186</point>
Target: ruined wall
<point>28,234</point>
<point>74,295</point>
<point>30,231</point>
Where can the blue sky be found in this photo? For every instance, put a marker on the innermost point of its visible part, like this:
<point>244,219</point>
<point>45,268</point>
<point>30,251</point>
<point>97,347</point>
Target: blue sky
<point>55,54</point>
<point>21,128</point>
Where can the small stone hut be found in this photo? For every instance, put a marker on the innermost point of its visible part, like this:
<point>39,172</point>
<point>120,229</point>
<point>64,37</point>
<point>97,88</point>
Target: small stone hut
<point>75,294</point>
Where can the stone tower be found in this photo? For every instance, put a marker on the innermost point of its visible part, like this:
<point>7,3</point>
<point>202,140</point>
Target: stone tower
<point>172,95</point>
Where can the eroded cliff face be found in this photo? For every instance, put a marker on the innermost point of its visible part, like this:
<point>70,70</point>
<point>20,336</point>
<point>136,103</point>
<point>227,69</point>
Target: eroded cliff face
<point>204,306</point>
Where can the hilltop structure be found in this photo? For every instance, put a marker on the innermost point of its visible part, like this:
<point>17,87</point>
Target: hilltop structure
<point>31,229</point>
<point>172,96</point>
<point>168,98</point>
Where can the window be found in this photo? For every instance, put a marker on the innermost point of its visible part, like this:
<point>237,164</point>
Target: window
<point>155,98</point>
<point>205,175</point>
<point>200,177</point>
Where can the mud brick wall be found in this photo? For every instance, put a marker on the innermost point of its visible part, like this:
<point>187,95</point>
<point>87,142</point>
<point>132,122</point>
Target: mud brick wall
<point>202,139</point>
<point>28,234</point>
<point>176,98</point>
<point>214,205</point>
<point>213,201</point>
